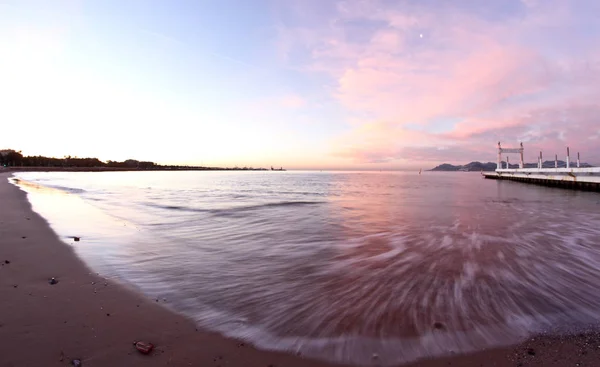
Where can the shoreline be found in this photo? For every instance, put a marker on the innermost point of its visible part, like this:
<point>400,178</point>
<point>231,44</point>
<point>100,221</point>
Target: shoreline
<point>87,317</point>
<point>123,169</point>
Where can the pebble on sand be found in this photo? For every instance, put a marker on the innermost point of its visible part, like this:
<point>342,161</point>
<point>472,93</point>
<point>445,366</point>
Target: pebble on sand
<point>144,347</point>
<point>53,281</point>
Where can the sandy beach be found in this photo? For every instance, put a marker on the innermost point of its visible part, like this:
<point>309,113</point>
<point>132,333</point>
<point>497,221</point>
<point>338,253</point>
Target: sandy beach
<point>88,318</point>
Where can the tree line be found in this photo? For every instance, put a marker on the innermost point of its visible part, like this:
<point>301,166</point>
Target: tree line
<point>13,158</point>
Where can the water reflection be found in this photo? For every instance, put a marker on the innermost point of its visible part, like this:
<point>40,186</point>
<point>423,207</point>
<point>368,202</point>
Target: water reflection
<point>344,265</point>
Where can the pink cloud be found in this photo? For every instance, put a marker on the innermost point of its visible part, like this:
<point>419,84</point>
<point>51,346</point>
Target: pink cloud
<point>516,79</point>
<point>377,142</point>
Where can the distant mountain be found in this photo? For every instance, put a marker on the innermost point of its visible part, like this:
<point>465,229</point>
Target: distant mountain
<point>490,166</point>
<point>473,166</point>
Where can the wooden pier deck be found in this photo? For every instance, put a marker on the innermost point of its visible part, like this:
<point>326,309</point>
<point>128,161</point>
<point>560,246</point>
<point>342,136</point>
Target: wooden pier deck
<point>572,178</point>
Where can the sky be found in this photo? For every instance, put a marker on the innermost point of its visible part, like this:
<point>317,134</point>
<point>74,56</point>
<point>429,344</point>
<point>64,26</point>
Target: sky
<point>303,84</point>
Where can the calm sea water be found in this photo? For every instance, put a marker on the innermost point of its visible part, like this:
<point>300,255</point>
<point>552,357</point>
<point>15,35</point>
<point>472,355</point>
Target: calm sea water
<point>340,266</point>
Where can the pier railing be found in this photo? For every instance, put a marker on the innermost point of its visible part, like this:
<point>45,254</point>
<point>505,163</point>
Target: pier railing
<point>561,175</point>
<point>550,170</point>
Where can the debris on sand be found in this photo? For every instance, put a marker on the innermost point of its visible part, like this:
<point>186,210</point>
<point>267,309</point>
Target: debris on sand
<point>76,239</point>
<point>144,347</point>
<point>7,261</point>
<point>53,281</point>
<point>76,362</point>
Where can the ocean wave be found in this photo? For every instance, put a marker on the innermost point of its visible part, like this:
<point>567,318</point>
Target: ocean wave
<point>233,210</point>
<point>72,190</point>
<point>41,184</point>
<point>402,295</point>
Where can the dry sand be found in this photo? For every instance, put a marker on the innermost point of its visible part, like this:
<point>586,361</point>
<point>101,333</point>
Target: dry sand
<point>85,317</point>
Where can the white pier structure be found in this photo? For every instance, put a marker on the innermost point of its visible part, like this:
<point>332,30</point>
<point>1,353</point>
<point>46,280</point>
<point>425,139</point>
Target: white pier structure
<point>509,150</point>
<point>587,178</point>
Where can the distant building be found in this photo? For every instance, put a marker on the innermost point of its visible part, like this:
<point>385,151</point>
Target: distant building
<point>5,152</point>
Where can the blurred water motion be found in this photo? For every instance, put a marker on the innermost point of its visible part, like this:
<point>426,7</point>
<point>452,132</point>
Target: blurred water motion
<point>340,266</point>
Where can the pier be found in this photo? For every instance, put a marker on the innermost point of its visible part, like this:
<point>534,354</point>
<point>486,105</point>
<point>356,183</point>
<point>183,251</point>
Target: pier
<point>565,176</point>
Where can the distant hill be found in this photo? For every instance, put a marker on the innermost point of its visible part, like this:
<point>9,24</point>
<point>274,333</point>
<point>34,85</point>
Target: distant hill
<point>491,166</point>
<point>473,166</point>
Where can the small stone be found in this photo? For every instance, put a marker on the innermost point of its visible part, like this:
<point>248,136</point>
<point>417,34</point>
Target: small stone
<point>24,237</point>
<point>7,261</point>
<point>107,314</point>
<point>530,351</point>
<point>53,281</point>
<point>144,347</point>
<point>15,286</point>
<point>375,356</point>
<point>438,325</point>
<point>76,239</point>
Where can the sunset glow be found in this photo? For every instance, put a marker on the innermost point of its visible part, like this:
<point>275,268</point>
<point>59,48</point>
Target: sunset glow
<point>304,84</point>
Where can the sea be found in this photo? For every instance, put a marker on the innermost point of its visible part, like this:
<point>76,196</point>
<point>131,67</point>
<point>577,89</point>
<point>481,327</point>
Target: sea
<point>339,266</point>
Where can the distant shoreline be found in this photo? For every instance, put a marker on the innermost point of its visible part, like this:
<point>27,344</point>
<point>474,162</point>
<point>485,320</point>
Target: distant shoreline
<point>12,160</point>
<point>120,169</point>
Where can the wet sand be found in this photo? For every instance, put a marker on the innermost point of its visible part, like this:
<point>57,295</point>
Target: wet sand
<point>86,317</point>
